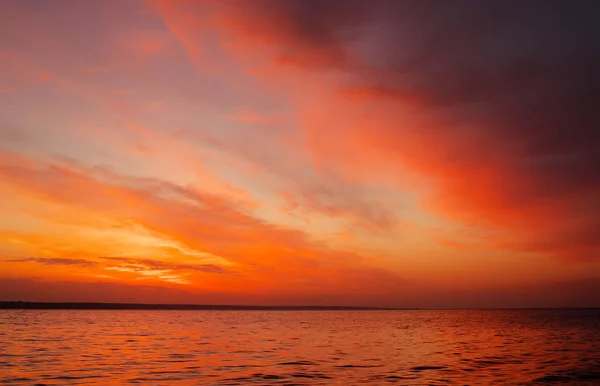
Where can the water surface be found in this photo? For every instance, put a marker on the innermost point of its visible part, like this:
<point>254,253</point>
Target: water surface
<point>300,347</point>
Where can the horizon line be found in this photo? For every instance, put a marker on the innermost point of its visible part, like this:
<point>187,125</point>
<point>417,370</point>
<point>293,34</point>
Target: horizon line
<point>24,304</point>
<point>79,305</point>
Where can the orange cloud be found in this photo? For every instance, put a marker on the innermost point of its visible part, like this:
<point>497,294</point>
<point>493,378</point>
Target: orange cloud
<point>201,226</point>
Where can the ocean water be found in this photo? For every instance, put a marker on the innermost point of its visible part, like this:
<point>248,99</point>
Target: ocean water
<point>300,347</point>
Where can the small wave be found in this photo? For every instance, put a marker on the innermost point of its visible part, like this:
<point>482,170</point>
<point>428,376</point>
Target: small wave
<point>552,379</point>
<point>165,372</point>
<point>74,377</point>
<point>392,378</point>
<point>267,376</point>
<point>237,366</point>
<point>568,376</point>
<point>424,368</point>
<point>310,376</point>
<point>488,363</point>
<point>298,363</point>
<point>357,366</point>
<point>180,356</point>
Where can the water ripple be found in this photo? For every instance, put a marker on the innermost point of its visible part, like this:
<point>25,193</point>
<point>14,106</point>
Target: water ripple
<point>300,348</point>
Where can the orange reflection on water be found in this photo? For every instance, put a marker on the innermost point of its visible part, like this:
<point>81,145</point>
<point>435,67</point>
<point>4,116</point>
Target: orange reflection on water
<point>300,347</point>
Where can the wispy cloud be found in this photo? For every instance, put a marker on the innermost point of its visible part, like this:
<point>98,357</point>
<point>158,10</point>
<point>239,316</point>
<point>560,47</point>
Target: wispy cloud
<point>144,268</point>
<point>162,265</point>
<point>264,254</point>
<point>56,261</point>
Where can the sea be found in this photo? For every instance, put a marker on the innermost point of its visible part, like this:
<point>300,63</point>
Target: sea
<point>416,347</point>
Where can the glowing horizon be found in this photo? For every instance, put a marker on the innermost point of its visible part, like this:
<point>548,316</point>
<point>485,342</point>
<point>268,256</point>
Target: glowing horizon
<point>297,153</point>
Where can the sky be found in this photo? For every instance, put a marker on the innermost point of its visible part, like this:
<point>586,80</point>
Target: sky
<point>435,154</point>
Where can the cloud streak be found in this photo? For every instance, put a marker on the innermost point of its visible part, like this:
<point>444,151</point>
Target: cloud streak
<point>55,261</point>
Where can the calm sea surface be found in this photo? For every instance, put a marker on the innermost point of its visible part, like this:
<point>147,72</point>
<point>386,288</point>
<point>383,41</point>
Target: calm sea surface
<point>300,347</point>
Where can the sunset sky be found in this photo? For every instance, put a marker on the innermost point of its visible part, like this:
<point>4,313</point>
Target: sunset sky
<point>376,153</point>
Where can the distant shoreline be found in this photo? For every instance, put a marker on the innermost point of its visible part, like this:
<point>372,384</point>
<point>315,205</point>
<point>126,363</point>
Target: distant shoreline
<point>20,305</point>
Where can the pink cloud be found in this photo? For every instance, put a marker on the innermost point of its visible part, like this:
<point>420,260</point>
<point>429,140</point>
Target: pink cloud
<point>493,164</point>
